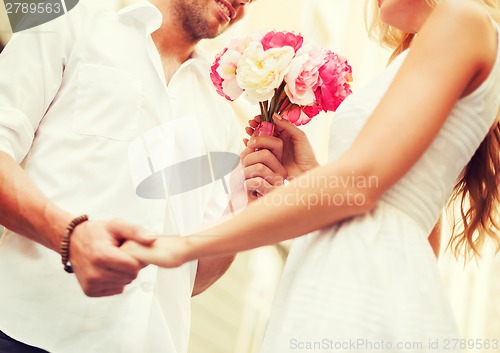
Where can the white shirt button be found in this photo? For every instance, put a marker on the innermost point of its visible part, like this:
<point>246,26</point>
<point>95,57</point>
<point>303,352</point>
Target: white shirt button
<point>147,286</point>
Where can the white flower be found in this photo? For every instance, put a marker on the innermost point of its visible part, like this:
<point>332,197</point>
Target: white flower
<point>260,72</point>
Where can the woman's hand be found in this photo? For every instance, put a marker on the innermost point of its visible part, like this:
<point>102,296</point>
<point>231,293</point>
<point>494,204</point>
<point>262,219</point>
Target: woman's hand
<point>165,252</point>
<point>292,148</point>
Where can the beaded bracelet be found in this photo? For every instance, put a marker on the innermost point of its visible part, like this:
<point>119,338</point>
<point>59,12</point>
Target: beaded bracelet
<point>65,241</point>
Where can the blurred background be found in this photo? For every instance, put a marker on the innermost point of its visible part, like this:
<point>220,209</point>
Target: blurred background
<point>232,315</point>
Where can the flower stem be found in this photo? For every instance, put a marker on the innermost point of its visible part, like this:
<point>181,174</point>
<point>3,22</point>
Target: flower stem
<point>277,102</point>
<point>263,111</point>
<point>284,105</point>
<point>272,103</point>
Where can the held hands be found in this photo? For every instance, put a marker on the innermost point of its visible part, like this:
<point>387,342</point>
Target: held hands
<point>101,267</point>
<point>268,160</point>
<point>165,252</point>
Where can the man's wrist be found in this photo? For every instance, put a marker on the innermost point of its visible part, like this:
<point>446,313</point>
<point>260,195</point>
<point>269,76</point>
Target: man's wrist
<point>66,241</point>
<point>53,226</point>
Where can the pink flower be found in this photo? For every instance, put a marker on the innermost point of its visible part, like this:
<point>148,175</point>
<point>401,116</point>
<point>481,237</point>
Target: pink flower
<point>335,75</point>
<point>284,74</point>
<point>296,115</point>
<point>302,79</point>
<point>223,72</point>
<point>280,39</point>
<point>215,77</point>
<point>312,110</point>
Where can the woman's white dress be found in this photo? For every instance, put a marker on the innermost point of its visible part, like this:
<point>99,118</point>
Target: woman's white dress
<point>371,284</point>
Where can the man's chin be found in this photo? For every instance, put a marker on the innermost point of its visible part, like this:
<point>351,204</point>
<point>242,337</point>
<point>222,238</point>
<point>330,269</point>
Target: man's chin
<point>215,33</point>
<point>210,32</point>
<point>221,28</point>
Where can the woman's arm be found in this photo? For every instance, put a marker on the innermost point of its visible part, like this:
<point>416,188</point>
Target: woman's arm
<point>452,55</point>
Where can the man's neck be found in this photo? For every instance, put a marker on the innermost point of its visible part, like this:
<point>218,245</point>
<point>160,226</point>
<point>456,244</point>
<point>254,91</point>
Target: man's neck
<point>170,42</point>
<point>173,44</point>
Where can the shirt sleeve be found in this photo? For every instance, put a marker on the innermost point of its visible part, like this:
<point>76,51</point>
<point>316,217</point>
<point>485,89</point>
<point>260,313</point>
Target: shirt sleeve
<point>31,71</point>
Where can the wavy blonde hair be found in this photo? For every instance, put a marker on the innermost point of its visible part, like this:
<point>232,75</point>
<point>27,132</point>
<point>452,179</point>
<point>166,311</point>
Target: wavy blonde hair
<point>476,194</point>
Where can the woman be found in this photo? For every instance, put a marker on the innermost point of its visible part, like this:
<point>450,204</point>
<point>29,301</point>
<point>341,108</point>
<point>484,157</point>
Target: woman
<point>366,278</point>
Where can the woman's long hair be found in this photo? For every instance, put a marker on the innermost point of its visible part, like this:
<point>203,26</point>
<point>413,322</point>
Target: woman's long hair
<point>476,194</point>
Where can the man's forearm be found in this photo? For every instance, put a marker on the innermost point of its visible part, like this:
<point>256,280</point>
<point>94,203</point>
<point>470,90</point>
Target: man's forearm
<point>209,271</point>
<point>25,210</point>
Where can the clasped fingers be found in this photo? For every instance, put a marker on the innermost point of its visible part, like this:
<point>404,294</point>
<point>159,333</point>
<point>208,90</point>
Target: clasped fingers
<point>263,172</point>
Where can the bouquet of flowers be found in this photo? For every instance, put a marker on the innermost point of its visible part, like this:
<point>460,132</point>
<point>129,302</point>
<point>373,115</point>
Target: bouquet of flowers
<point>284,74</point>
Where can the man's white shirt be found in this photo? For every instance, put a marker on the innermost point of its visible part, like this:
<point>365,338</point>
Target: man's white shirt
<point>76,96</point>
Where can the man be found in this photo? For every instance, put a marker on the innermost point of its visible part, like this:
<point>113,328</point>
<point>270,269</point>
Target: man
<point>84,102</point>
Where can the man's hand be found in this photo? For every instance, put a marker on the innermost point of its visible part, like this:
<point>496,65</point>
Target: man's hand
<point>262,166</point>
<point>101,267</point>
<point>269,160</point>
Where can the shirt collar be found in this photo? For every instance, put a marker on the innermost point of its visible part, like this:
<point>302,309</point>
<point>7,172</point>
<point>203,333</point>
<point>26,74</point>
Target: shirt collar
<point>146,13</point>
<point>149,15</point>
